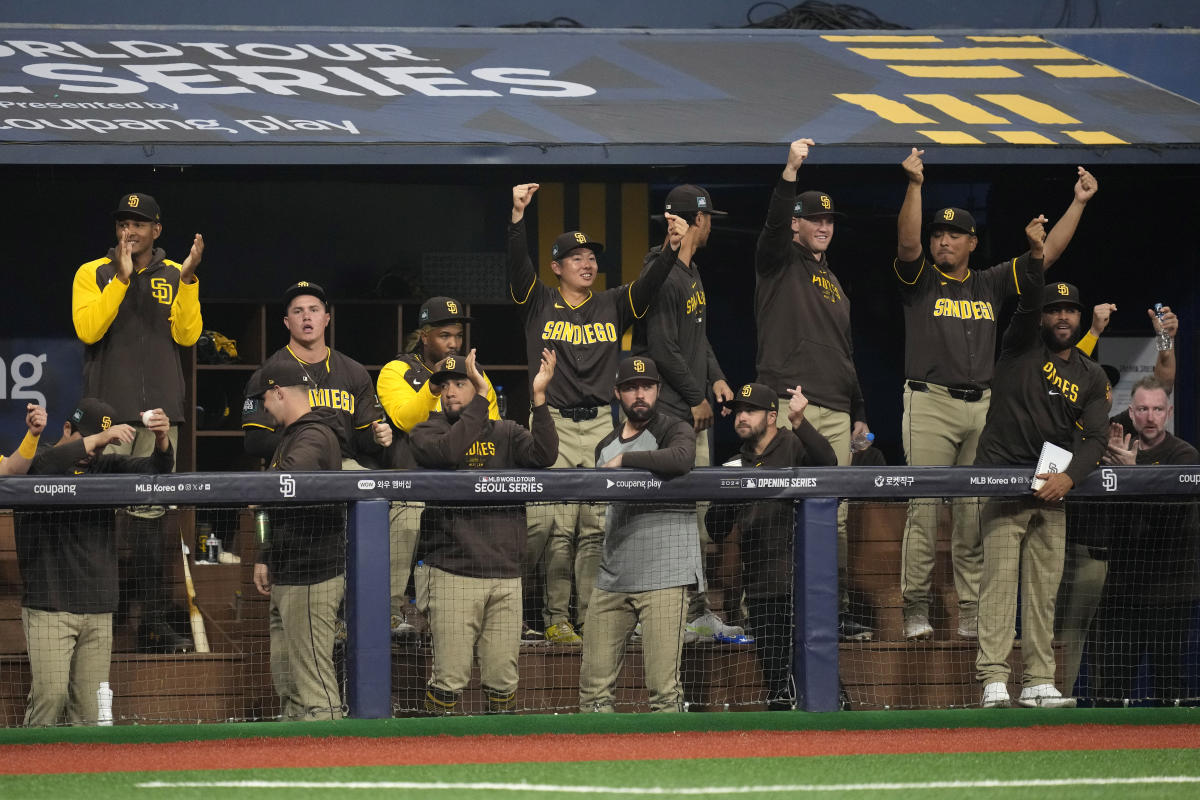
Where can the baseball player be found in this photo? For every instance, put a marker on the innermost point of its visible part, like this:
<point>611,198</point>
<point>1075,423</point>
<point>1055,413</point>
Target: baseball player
<point>302,567</point>
<point>408,397</point>
<point>674,333</point>
<point>18,462</point>
<point>803,321</point>
<point>134,310</point>
<point>651,553</point>
<point>950,314</point>
<point>471,555</point>
<point>1045,392</point>
<point>584,329</point>
<point>336,381</point>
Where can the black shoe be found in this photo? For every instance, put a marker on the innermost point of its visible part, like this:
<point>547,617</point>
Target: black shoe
<point>850,630</point>
<point>159,637</point>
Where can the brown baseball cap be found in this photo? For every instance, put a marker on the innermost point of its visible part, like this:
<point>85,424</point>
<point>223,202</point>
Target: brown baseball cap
<point>573,240</point>
<point>437,310</point>
<point>92,416</point>
<point>450,367</point>
<point>1061,294</point>
<point>756,395</point>
<point>304,287</point>
<point>136,205</point>
<point>279,373</point>
<point>957,218</point>
<point>637,368</point>
<point>814,204</point>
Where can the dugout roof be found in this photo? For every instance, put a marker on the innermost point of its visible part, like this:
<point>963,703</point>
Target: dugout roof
<point>188,95</point>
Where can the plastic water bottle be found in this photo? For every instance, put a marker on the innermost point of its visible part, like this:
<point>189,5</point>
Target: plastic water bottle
<point>501,402</point>
<point>262,525</point>
<point>861,442</point>
<point>104,698</point>
<point>1164,341</point>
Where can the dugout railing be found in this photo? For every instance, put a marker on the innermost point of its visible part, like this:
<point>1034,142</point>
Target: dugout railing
<point>368,495</point>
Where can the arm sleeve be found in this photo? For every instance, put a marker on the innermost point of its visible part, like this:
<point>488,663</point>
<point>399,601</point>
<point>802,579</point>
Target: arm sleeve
<point>771,253</point>
<point>537,447</point>
<point>675,456</point>
<point>492,399</point>
<point>522,277</point>
<point>817,450</point>
<point>644,290</point>
<point>93,310</point>
<point>435,447</point>
<point>1091,434</point>
<point>1022,330</point>
<point>186,321</point>
<point>405,407</point>
<point>158,462</point>
<point>57,460</point>
<point>662,342</point>
<point>714,367</point>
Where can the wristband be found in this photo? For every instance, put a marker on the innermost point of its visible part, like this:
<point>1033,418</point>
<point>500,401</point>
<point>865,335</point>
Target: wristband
<point>1164,343</point>
<point>29,445</point>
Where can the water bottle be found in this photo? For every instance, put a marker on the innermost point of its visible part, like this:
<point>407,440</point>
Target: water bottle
<point>262,525</point>
<point>861,442</point>
<point>213,546</point>
<point>104,697</point>
<point>1164,340</point>
<point>501,402</point>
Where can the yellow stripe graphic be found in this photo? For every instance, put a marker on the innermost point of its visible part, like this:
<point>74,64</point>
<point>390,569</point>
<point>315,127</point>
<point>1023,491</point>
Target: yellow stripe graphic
<point>1022,137</point>
<point>961,110</point>
<point>964,53</point>
<point>890,110</point>
<point>925,71</point>
<point>1095,137</point>
<point>1080,70</point>
<point>1029,38</point>
<point>881,38</point>
<point>950,137</point>
<point>1032,110</point>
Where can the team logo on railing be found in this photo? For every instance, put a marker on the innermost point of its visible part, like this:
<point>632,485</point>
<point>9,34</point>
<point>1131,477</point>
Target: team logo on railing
<point>287,485</point>
<point>1108,479</point>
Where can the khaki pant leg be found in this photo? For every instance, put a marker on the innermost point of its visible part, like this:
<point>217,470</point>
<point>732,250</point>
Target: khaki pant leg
<point>1004,522</point>
<point>610,619</point>
<point>1041,571</point>
<point>930,436</point>
<point>143,443</point>
<point>1079,595</point>
<point>698,601</point>
<point>500,635</point>
<point>90,665</point>
<point>966,544</point>
<point>456,612</point>
<point>835,427</point>
<point>404,529</point>
<point>50,642</point>
<point>576,540</point>
<point>308,618</point>
<point>662,616</point>
<point>282,677</point>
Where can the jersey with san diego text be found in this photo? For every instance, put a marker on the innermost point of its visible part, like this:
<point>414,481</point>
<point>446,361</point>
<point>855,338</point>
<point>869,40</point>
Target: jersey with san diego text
<point>586,338</point>
<point>950,324</point>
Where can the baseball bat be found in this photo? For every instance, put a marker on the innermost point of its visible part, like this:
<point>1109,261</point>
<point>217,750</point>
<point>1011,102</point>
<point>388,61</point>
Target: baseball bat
<point>199,636</point>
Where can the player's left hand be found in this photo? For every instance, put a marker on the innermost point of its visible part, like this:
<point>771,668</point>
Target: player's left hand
<point>1086,186</point>
<point>722,392</point>
<point>187,271</point>
<point>262,579</point>
<point>35,418</point>
<point>542,379</point>
<point>382,433</point>
<point>1122,448</point>
<point>702,416</point>
<point>1169,324</point>
<point>1100,317</point>
<point>796,406</point>
<point>676,228</point>
<point>1035,232</point>
<point>1055,488</point>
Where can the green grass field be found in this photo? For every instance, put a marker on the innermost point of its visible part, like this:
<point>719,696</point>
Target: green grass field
<point>1058,774</point>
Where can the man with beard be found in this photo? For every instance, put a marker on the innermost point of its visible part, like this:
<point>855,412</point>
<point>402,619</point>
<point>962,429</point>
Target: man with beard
<point>674,333</point>
<point>469,581</point>
<point>408,397</point>
<point>1046,391</point>
<point>302,568</point>
<point>950,318</point>
<point>68,562</point>
<point>762,532</point>
<point>1153,553</point>
<point>651,552</point>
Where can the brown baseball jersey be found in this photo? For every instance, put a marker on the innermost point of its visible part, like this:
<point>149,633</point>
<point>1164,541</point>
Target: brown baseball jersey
<point>587,337</point>
<point>950,323</point>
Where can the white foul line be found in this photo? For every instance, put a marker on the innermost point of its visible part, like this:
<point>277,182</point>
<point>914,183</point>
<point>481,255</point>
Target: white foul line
<point>671,791</point>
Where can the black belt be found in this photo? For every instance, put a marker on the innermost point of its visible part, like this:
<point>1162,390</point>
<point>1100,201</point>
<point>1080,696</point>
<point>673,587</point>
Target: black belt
<point>580,413</point>
<point>966,395</point>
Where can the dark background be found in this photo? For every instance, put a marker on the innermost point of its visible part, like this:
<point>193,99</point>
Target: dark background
<point>360,231</point>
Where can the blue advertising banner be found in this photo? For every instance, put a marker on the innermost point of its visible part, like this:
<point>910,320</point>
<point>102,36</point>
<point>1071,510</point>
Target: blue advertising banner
<point>48,372</point>
<point>184,95</point>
